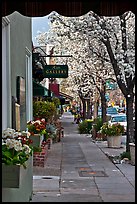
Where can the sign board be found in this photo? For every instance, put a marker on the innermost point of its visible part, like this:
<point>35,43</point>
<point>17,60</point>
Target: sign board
<point>55,71</point>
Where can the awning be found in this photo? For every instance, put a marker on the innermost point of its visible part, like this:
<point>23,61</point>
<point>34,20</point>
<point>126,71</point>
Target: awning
<point>68,8</point>
<point>39,90</point>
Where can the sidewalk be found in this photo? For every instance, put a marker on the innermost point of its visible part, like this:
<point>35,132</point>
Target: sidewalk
<point>78,170</point>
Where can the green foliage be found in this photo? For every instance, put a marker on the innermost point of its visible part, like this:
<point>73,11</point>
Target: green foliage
<point>112,130</point>
<point>90,123</point>
<point>43,109</point>
<point>125,155</point>
<point>37,149</point>
<point>83,127</point>
<point>12,156</point>
<point>56,101</point>
<point>98,122</point>
<point>46,135</point>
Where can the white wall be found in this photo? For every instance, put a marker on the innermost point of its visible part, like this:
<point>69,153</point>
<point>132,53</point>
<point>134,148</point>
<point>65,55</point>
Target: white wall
<point>6,73</point>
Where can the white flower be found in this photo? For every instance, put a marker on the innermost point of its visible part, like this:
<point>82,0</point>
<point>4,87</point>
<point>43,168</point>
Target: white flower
<point>37,121</point>
<point>3,142</point>
<point>17,145</point>
<point>19,134</point>
<point>13,143</point>
<point>8,133</point>
<point>25,133</point>
<point>27,149</point>
<point>16,134</point>
<point>10,143</point>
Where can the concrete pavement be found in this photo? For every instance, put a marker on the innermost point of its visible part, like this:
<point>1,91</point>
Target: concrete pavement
<point>78,170</point>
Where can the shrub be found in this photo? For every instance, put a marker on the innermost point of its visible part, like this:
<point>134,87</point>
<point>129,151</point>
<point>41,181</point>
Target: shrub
<point>44,109</point>
<point>56,101</point>
<point>98,122</point>
<point>125,155</point>
<point>83,127</point>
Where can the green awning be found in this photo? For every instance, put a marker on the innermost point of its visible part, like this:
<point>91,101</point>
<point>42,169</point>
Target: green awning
<point>39,90</point>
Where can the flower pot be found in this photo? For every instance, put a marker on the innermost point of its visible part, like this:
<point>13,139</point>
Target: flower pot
<point>17,182</point>
<point>37,140</point>
<point>132,153</point>
<point>114,141</point>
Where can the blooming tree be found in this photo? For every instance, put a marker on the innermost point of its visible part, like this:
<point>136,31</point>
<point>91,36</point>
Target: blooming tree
<point>102,47</point>
<point>118,37</point>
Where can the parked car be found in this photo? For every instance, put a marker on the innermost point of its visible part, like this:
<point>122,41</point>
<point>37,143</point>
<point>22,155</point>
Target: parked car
<point>119,118</point>
<point>111,111</point>
<point>122,110</point>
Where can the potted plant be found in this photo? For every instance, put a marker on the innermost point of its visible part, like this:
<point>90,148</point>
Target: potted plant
<point>16,157</point>
<point>113,133</point>
<point>37,129</point>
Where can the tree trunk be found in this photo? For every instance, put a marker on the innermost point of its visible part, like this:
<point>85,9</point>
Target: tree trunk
<point>88,108</point>
<point>126,88</point>
<point>84,107</point>
<point>130,125</point>
<point>95,109</point>
<point>91,109</point>
<point>103,103</point>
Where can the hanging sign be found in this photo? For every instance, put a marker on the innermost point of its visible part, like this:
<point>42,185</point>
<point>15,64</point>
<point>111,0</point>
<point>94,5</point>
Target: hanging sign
<point>55,71</point>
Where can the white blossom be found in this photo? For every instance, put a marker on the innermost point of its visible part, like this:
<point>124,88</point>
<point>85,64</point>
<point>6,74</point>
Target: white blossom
<point>84,37</point>
<point>27,149</point>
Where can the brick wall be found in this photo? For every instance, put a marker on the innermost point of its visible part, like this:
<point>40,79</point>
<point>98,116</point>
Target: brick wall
<point>39,158</point>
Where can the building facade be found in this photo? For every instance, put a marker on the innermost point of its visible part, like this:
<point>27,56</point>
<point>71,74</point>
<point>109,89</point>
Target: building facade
<point>16,71</point>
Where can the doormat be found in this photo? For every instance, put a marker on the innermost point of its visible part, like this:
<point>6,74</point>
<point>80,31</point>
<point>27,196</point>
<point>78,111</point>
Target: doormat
<point>83,168</point>
<point>92,173</point>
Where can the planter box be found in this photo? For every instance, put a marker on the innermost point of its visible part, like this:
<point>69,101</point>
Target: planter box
<point>37,140</point>
<point>12,175</point>
<point>114,141</point>
<point>132,153</point>
<point>17,182</point>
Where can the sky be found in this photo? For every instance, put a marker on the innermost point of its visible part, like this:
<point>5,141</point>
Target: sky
<point>39,24</point>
